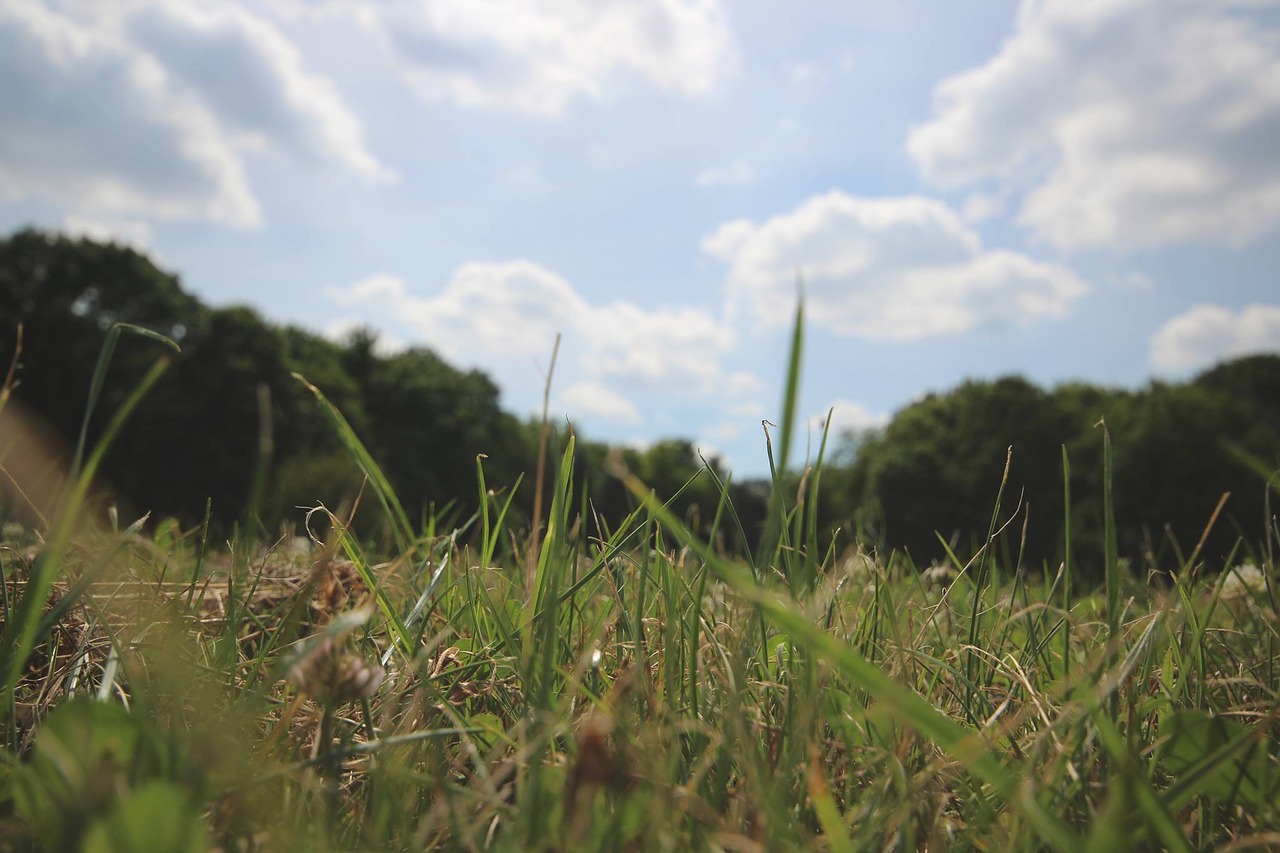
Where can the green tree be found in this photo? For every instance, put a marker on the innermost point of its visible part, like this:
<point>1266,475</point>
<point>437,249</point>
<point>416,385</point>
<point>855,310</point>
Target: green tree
<point>936,468</point>
<point>196,437</point>
<point>427,424</point>
<point>66,294</point>
<point>1172,467</point>
<point>1253,382</point>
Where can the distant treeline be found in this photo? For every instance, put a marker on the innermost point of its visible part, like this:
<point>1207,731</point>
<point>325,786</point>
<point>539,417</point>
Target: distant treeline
<point>194,443</point>
<point>934,472</point>
<point>931,476</point>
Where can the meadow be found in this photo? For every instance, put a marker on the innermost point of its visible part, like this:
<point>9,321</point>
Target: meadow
<point>478,685</point>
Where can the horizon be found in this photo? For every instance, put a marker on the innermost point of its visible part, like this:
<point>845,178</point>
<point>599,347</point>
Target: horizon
<point>1062,193</point>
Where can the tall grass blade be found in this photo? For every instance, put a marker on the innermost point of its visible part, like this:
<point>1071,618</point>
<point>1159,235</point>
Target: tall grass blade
<point>10,378</point>
<point>1066,562</point>
<point>20,635</point>
<point>983,571</point>
<point>1112,551</point>
<point>99,379</point>
<point>775,520</point>
<point>401,529</point>
<point>266,448</point>
<point>399,633</point>
<point>540,471</point>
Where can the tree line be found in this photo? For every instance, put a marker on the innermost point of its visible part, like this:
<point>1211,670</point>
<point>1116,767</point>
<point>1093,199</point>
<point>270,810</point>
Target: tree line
<point>193,447</point>
<point>925,483</point>
<point>930,478</point>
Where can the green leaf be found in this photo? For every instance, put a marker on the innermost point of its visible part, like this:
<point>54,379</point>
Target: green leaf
<point>158,816</point>
<point>1215,757</point>
<point>491,728</point>
<point>86,753</point>
<point>777,653</point>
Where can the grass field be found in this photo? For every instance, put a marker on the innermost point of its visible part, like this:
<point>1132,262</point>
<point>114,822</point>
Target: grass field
<point>632,689</point>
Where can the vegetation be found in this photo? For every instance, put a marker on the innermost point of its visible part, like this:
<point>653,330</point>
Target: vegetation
<point>229,434</point>
<point>920,483</point>
<point>617,686</point>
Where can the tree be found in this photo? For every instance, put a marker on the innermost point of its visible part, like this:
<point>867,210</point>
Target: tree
<point>195,438</point>
<point>937,467</point>
<point>66,294</point>
<point>1172,467</point>
<point>427,424</point>
<point>1253,382</point>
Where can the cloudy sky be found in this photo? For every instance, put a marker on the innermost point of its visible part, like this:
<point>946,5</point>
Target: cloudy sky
<point>1067,189</point>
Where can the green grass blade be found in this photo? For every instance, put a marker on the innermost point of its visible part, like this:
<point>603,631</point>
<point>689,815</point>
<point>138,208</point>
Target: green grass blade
<point>99,378</point>
<point>985,560</point>
<point>399,633</point>
<point>1066,562</point>
<point>394,511</point>
<point>775,520</point>
<point>20,634</point>
<point>965,745</point>
<point>1112,555</point>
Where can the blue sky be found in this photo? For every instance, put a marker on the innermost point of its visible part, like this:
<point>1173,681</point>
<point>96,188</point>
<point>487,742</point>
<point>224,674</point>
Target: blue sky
<point>1067,189</point>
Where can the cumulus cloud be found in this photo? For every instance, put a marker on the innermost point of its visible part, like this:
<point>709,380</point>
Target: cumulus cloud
<point>254,79</point>
<point>495,315</point>
<point>1126,123</point>
<point>738,173</point>
<point>848,416</point>
<point>981,206</point>
<point>885,269</point>
<point>92,124</point>
<point>136,235</point>
<point>592,398</point>
<point>150,110</point>
<point>538,58</point>
<point>1205,334</point>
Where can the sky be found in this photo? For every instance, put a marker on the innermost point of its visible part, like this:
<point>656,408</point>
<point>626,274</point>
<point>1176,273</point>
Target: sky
<point>1062,189</point>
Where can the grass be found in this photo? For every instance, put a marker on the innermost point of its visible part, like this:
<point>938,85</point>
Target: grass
<point>625,688</point>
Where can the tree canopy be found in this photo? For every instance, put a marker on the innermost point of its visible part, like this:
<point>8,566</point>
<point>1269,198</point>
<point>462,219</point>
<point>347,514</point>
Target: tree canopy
<point>932,475</point>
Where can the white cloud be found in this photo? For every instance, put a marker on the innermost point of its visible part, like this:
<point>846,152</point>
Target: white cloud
<point>736,174</point>
<point>981,206</point>
<point>135,235</point>
<point>151,110</point>
<point>513,308</point>
<point>886,269</point>
<point>848,416</point>
<point>1205,334</point>
<point>1127,123</point>
<point>254,79</point>
<point>538,58</point>
<point>93,125</point>
<point>385,345</point>
<point>592,398</point>
<point>504,317</point>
